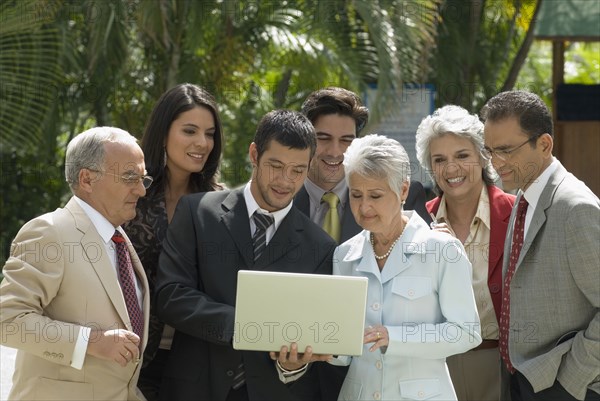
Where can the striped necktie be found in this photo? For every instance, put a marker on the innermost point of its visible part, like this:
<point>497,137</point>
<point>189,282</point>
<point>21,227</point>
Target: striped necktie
<point>259,240</point>
<point>259,243</point>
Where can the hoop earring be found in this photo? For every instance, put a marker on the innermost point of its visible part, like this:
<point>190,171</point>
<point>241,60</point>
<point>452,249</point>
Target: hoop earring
<point>165,157</point>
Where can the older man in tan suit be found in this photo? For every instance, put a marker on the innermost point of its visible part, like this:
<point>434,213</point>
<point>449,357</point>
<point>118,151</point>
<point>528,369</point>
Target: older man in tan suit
<point>75,300</point>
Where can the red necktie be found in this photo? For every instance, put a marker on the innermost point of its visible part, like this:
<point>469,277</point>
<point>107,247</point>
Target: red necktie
<point>127,281</point>
<point>515,251</point>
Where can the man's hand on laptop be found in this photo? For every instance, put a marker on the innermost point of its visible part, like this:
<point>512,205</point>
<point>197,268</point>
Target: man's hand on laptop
<point>293,360</point>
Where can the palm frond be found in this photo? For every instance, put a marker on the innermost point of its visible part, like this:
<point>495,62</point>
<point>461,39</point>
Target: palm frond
<point>29,71</point>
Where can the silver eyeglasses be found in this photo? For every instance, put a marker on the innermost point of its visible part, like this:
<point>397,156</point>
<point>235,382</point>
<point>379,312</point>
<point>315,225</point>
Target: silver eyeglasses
<point>131,179</point>
<point>504,154</point>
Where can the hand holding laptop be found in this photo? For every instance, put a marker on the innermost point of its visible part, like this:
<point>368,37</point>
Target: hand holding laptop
<point>295,360</point>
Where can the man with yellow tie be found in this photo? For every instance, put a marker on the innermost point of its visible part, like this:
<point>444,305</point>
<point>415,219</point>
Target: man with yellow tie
<point>338,116</point>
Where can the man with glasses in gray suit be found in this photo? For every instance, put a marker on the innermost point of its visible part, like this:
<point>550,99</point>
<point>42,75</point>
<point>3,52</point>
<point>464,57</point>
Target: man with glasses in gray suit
<point>550,319</point>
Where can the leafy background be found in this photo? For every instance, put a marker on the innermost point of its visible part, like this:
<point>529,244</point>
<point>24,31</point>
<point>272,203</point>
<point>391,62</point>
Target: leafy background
<point>66,66</point>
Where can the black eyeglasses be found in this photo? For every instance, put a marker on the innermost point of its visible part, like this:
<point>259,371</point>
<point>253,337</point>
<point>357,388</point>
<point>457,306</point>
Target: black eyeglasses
<point>131,179</point>
<point>504,154</point>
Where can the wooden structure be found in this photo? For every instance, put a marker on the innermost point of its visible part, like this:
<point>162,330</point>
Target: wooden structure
<point>576,141</point>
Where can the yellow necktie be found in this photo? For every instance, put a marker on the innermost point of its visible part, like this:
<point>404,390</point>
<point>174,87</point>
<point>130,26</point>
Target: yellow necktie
<point>331,224</point>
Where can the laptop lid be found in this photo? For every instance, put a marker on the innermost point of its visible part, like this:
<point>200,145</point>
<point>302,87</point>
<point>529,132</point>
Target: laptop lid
<point>275,309</point>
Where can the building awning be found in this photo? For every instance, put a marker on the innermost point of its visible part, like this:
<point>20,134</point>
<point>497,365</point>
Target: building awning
<point>568,20</point>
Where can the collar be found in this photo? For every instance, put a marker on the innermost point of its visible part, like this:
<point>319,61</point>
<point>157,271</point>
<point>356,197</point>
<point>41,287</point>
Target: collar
<point>411,241</point>
<point>103,226</point>
<point>252,207</point>
<point>315,192</point>
<point>482,213</point>
<point>533,193</point>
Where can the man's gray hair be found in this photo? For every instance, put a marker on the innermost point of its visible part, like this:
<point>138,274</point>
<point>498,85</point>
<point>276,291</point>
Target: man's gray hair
<point>87,151</point>
<point>456,121</point>
<point>378,157</point>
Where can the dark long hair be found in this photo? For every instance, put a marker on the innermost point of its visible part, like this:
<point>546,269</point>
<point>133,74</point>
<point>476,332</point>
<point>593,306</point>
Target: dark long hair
<point>171,104</point>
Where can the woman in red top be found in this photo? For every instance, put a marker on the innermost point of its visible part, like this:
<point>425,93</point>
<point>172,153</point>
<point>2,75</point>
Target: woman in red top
<point>471,208</point>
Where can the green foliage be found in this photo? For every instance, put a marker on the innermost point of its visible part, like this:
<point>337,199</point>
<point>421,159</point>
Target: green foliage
<point>30,185</point>
<point>582,66</point>
<point>29,74</point>
<point>536,74</point>
<point>106,62</point>
<point>66,66</point>
<point>477,41</point>
<point>582,63</point>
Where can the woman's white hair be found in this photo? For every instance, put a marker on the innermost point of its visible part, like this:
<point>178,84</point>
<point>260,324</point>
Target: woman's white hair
<point>87,151</point>
<point>379,157</point>
<point>456,121</point>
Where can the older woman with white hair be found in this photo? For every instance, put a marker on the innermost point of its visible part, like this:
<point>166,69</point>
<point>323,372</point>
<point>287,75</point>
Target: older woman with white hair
<point>449,146</point>
<point>420,306</point>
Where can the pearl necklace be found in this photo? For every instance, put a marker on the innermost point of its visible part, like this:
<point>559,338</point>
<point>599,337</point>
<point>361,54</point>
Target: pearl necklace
<point>385,255</point>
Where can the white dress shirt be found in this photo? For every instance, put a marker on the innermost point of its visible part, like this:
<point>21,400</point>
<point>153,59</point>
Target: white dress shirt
<point>277,215</point>
<point>106,230</point>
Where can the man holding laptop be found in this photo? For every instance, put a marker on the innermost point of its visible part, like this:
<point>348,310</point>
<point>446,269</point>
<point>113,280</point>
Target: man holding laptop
<point>214,235</point>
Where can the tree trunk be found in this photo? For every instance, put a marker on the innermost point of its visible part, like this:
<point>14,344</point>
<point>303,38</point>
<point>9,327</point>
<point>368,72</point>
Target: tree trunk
<point>470,71</point>
<point>281,90</point>
<point>521,56</point>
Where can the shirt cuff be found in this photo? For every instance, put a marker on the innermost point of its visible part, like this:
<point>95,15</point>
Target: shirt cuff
<point>80,347</point>
<point>288,376</point>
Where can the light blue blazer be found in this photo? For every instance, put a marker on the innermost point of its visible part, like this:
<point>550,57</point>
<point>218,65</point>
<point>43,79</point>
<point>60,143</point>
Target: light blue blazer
<point>424,297</point>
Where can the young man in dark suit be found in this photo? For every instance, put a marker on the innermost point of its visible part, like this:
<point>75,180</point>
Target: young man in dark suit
<point>211,237</point>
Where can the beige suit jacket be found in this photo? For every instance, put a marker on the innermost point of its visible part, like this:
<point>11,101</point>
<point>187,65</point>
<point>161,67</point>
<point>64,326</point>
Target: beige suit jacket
<point>59,278</point>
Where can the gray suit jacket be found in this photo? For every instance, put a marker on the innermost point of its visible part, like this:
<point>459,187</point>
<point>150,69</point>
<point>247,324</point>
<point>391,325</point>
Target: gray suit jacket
<point>555,291</point>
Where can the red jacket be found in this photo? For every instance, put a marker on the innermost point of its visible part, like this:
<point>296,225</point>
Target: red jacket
<point>501,205</point>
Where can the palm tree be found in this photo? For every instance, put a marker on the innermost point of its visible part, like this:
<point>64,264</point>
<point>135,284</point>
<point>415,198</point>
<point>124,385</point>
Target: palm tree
<point>476,47</point>
<point>107,62</point>
<point>256,56</point>
<point>29,71</point>
<point>284,49</point>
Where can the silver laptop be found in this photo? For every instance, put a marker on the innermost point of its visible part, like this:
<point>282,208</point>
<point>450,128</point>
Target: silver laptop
<point>323,311</point>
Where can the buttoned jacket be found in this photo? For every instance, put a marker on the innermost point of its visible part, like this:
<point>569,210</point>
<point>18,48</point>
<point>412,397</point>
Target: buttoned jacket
<point>554,328</point>
<point>207,243</point>
<point>423,296</point>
